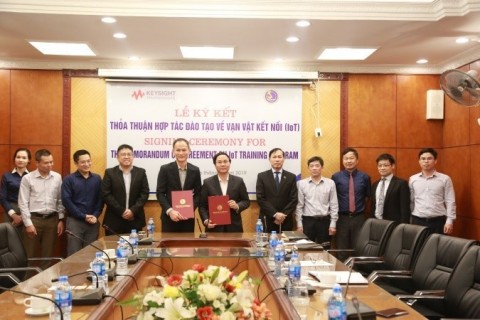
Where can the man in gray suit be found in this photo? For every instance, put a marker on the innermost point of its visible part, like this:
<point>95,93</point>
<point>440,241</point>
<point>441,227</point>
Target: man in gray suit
<point>390,194</point>
<point>277,194</point>
<point>125,191</point>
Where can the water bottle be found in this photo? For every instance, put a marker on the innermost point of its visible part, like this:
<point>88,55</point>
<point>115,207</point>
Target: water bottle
<point>63,297</point>
<point>279,258</point>
<point>122,258</point>
<point>99,267</point>
<point>150,228</point>
<point>273,243</point>
<point>294,268</point>
<point>336,304</point>
<point>258,233</point>
<point>134,240</point>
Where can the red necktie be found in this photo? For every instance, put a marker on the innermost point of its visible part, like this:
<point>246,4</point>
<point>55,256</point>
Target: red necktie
<point>351,194</point>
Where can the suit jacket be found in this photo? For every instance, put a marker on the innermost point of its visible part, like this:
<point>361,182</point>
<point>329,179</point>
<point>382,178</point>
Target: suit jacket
<point>236,190</point>
<point>169,180</point>
<point>272,201</point>
<point>114,195</point>
<point>397,200</point>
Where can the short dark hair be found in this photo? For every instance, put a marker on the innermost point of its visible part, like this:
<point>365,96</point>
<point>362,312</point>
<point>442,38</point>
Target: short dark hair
<point>181,140</point>
<point>221,153</point>
<point>349,149</point>
<point>124,146</point>
<point>79,153</point>
<point>275,150</point>
<point>42,153</point>
<point>386,156</point>
<point>29,154</point>
<point>315,158</point>
<point>428,150</point>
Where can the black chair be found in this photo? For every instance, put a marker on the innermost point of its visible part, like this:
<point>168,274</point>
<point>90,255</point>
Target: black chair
<point>371,240</point>
<point>461,298</point>
<point>401,250</point>
<point>432,269</point>
<point>14,264</point>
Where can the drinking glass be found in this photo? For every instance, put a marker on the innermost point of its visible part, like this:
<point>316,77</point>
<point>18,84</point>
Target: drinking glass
<point>301,300</point>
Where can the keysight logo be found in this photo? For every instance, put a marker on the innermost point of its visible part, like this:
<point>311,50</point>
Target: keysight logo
<point>138,94</point>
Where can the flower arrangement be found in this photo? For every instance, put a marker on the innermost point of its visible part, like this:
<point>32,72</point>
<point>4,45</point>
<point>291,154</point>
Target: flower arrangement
<point>212,293</point>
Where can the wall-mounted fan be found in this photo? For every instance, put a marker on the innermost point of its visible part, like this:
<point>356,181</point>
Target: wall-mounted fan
<point>462,87</point>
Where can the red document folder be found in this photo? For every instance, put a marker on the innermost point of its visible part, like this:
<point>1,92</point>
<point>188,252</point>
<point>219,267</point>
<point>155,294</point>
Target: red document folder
<point>182,201</point>
<point>219,210</point>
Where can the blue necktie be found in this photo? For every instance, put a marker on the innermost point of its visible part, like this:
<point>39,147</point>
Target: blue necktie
<point>277,179</point>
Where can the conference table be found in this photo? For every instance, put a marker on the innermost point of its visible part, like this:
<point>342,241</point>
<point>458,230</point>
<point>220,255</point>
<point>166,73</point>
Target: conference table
<point>171,253</point>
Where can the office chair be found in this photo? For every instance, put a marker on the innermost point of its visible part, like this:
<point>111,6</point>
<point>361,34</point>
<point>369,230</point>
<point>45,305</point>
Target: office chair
<point>461,297</point>
<point>14,264</point>
<point>371,240</point>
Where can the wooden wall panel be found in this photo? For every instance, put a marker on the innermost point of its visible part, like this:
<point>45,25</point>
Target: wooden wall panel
<point>407,163</point>
<point>456,164</point>
<point>414,131</point>
<point>37,101</point>
<point>456,127</point>
<point>5,107</point>
<point>474,125</point>
<point>371,111</point>
<point>474,192</point>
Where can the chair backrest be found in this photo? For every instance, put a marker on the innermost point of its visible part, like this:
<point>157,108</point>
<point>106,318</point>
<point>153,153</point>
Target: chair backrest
<point>373,237</point>
<point>403,246</point>
<point>12,252</point>
<point>436,261</point>
<point>462,296</point>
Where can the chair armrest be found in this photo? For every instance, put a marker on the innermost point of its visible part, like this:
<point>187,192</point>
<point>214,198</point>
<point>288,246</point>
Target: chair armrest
<point>395,274</point>
<point>6,270</point>
<point>410,299</point>
<point>11,277</point>
<point>363,260</point>
<point>46,259</point>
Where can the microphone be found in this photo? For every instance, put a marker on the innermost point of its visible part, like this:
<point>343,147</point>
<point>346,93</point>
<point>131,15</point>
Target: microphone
<point>132,259</point>
<point>110,271</point>
<point>356,310</point>
<point>87,296</point>
<point>37,296</point>
<point>203,234</point>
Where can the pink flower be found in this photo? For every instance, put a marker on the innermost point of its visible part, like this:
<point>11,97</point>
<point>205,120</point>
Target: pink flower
<point>174,280</point>
<point>205,313</point>
<point>198,267</point>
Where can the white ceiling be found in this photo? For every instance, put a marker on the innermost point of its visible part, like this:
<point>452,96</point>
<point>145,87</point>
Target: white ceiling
<point>403,31</point>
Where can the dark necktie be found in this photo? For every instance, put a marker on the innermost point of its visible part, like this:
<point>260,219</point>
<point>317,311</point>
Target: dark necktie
<point>381,199</point>
<point>277,179</point>
<point>351,194</point>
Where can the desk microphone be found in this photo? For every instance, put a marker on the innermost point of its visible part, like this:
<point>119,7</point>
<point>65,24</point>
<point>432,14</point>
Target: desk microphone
<point>37,296</point>
<point>87,296</point>
<point>356,310</point>
<point>203,234</point>
<point>132,259</point>
<point>110,271</point>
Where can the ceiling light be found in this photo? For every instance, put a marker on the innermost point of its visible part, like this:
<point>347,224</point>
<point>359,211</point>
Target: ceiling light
<point>119,35</point>
<point>63,48</point>
<point>303,23</point>
<point>109,20</point>
<point>278,60</point>
<point>462,40</point>
<point>292,39</point>
<point>134,58</point>
<point>422,61</point>
<point>346,53</point>
<point>207,52</point>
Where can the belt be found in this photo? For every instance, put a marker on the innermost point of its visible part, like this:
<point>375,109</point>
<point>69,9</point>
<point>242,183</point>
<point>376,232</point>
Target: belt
<point>350,214</point>
<point>43,215</point>
<point>327,217</point>
<point>431,219</point>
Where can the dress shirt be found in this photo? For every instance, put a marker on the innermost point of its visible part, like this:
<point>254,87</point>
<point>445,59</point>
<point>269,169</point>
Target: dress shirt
<point>127,179</point>
<point>182,173</point>
<point>223,185</point>
<point>432,196</point>
<point>9,191</point>
<point>377,194</point>
<point>317,199</point>
<point>82,196</point>
<point>362,189</point>
<point>40,194</point>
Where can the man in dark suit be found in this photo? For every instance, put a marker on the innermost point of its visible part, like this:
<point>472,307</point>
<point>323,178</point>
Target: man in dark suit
<point>125,192</point>
<point>390,194</point>
<point>176,176</point>
<point>224,184</point>
<point>277,204</point>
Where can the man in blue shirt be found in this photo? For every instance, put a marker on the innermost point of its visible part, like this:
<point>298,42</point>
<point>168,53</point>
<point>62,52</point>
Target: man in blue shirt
<point>82,198</point>
<point>353,189</point>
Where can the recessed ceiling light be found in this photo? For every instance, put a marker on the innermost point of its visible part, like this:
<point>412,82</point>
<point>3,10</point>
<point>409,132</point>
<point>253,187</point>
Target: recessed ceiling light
<point>346,53</point>
<point>63,48</point>
<point>292,39</point>
<point>303,23</point>
<point>422,61</point>
<point>462,40</point>
<point>278,60</point>
<point>119,35</point>
<point>134,58</point>
<point>207,52</point>
<point>109,20</point>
